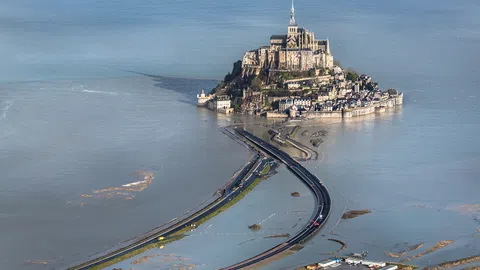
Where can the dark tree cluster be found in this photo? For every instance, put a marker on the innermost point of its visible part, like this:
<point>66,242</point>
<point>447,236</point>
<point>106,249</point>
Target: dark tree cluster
<point>352,75</point>
<point>255,83</point>
<point>236,71</point>
<point>278,93</point>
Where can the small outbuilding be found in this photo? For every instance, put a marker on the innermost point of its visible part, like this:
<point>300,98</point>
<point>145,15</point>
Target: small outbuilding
<point>373,264</point>
<point>389,267</point>
<point>293,111</point>
<point>326,263</point>
<point>353,261</point>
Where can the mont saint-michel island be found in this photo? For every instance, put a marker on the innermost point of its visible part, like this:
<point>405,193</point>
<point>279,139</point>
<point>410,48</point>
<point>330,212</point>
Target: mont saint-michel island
<point>296,76</point>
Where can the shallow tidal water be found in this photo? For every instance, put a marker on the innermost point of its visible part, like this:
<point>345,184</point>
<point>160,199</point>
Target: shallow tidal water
<point>64,134</point>
<point>61,140</point>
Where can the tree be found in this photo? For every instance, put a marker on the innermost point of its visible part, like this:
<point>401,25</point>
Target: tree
<point>285,76</point>
<point>311,73</point>
<point>278,93</point>
<point>263,76</point>
<point>321,71</point>
<point>267,103</point>
<point>352,75</point>
<point>228,78</point>
<point>255,83</point>
<point>237,68</point>
<point>218,87</point>
<point>281,83</point>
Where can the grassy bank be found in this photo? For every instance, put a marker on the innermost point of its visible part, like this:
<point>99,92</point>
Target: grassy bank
<point>401,254</point>
<point>277,236</point>
<point>137,252</point>
<point>181,233</point>
<point>402,266</point>
<point>472,268</point>
<point>455,263</point>
<point>229,203</point>
<point>437,246</point>
<point>294,132</point>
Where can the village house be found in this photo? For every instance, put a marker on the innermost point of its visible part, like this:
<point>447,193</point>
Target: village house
<point>285,104</point>
<point>302,102</point>
<point>220,103</point>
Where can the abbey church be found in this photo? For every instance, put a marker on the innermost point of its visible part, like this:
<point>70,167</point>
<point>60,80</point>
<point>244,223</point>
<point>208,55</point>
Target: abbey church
<point>296,51</point>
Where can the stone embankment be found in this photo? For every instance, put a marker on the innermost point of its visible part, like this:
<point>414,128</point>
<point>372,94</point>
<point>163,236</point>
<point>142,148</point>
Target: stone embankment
<point>276,115</point>
<point>456,263</point>
<point>333,114</point>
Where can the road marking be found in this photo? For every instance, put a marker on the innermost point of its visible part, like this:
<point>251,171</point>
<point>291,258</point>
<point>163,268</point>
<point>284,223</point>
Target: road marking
<point>269,217</point>
<point>208,227</point>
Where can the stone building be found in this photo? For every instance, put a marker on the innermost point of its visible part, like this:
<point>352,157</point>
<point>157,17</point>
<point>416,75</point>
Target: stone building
<point>285,104</point>
<point>302,102</point>
<point>222,102</point>
<point>298,50</point>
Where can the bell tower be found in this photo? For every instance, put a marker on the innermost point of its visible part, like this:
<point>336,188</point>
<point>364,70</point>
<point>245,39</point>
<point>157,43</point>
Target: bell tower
<point>292,29</point>
<point>292,15</point>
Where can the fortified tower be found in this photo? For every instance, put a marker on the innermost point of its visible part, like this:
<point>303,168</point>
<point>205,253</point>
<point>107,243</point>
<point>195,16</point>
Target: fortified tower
<point>202,99</point>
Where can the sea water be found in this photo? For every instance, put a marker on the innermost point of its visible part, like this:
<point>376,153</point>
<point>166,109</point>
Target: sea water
<point>79,114</point>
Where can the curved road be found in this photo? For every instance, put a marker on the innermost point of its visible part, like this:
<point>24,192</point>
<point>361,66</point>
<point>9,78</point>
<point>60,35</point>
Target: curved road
<point>320,192</point>
<point>246,176</point>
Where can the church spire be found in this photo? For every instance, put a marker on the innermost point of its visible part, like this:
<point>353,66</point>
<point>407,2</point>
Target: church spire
<point>292,15</point>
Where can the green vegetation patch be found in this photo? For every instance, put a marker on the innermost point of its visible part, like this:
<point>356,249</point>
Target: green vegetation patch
<point>255,83</point>
<point>294,132</point>
<point>265,170</point>
<point>352,75</point>
<point>279,93</point>
<point>355,213</point>
<point>255,227</point>
<point>135,253</point>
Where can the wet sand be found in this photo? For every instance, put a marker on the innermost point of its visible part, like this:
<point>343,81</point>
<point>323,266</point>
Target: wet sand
<point>355,213</point>
<point>439,245</point>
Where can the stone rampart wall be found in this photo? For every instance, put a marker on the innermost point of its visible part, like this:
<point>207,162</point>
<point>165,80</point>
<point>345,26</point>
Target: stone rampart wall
<point>358,112</point>
<point>334,114</point>
<point>276,115</point>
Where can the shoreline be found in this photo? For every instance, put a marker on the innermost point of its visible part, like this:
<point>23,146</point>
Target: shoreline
<point>380,107</point>
<point>343,260</point>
